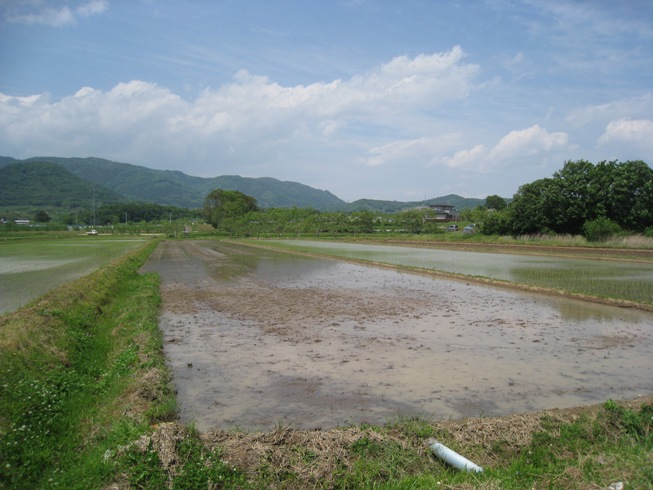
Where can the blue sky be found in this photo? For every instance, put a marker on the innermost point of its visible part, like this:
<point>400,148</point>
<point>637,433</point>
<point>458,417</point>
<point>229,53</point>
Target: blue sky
<point>398,100</point>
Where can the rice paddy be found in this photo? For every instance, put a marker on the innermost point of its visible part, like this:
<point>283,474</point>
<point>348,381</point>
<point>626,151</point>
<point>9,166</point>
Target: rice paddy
<point>30,268</point>
<point>622,280</point>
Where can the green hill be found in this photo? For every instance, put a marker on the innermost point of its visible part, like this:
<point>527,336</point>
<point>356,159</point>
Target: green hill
<point>174,188</point>
<point>394,206</point>
<point>68,182</point>
<point>273,193</point>
<point>43,184</point>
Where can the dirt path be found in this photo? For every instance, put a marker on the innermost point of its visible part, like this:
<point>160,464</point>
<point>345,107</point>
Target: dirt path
<point>257,338</point>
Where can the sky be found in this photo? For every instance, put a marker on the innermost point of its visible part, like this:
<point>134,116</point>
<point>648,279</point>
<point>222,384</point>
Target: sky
<point>382,99</point>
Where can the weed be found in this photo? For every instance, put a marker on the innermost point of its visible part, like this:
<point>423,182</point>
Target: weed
<point>418,427</point>
<point>638,425</point>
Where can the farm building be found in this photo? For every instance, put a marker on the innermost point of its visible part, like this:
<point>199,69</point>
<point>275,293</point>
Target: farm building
<point>441,213</point>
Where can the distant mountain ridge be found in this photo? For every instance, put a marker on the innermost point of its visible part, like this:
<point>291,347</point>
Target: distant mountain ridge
<point>127,182</point>
<point>44,184</point>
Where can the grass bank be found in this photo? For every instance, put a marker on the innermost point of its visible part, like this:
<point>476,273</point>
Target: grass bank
<point>81,373</point>
<point>86,402</point>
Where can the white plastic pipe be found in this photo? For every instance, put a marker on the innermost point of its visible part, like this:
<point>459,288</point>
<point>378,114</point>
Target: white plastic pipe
<point>452,457</point>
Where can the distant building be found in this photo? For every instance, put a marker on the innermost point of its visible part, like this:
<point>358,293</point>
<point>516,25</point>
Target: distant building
<point>22,221</point>
<point>441,213</point>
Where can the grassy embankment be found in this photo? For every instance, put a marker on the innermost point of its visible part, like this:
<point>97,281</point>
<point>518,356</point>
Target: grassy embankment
<point>82,377</point>
<point>85,402</point>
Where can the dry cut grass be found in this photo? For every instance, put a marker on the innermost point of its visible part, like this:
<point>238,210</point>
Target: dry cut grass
<point>303,459</point>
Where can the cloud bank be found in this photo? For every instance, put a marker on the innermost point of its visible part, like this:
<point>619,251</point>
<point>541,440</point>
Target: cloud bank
<point>342,135</point>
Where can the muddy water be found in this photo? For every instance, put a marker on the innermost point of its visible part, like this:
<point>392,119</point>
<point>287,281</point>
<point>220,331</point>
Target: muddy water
<point>257,338</point>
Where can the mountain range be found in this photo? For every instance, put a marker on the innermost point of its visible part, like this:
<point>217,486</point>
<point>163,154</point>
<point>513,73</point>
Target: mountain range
<point>75,182</point>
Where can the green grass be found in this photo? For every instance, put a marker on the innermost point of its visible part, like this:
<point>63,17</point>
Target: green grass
<point>610,281</point>
<point>613,444</point>
<point>68,364</point>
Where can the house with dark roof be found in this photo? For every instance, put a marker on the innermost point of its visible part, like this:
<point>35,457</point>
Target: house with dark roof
<point>441,213</point>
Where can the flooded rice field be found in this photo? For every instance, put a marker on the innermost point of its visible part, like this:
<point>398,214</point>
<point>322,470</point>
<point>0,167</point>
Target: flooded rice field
<point>626,279</point>
<point>29,269</point>
<point>257,338</point>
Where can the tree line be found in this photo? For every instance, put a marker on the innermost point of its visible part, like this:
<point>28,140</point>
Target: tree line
<point>238,214</point>
<point>581,198</point>
<point>135,212</point>
<point>595,200</point>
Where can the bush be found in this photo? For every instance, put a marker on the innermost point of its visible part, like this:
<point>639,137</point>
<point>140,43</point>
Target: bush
<point>600,229</point>
<point>496,223</point>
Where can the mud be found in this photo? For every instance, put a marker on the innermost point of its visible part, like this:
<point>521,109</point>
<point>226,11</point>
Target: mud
<point>259,338</point>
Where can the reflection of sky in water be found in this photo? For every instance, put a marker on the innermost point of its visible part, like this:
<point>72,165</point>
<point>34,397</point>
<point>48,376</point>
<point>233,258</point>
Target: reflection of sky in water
<point>333,353</point>
<point>493,265</point>
<point>510,267</point>
<point>12,265</point>
<point>295,271</point>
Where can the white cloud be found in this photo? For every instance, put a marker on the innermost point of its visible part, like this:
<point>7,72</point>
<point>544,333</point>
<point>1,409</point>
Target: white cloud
<point>253,117</point>
<point>474,157</point>
<point>633,137</point>
<point>630,107</point>
<point>92,8</point>
<point>38,13</point>
<point>527,142</point>
<point>518,146</point>
<point>423,150</point>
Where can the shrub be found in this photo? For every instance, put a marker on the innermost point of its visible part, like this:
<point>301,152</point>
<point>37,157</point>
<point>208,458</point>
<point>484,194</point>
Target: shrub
<point>600,229</point>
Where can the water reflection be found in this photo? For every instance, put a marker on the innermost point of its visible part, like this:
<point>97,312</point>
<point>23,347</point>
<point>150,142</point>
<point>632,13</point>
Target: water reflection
<point>310,342</point>
<point>633,281</point>
<point>579,311</point>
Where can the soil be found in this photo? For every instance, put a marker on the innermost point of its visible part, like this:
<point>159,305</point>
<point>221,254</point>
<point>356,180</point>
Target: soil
<point>259,339</point>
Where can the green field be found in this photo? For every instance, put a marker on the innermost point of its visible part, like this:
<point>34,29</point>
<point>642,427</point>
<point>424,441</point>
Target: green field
<point>30,268</point>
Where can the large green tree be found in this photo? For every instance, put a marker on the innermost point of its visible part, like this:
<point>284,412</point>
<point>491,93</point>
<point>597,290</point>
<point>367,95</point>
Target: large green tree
<point>495,202</point>
<point>535,207</point>
<point>582,192</point>
<point>221,204</point>
<point>627,193</point>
